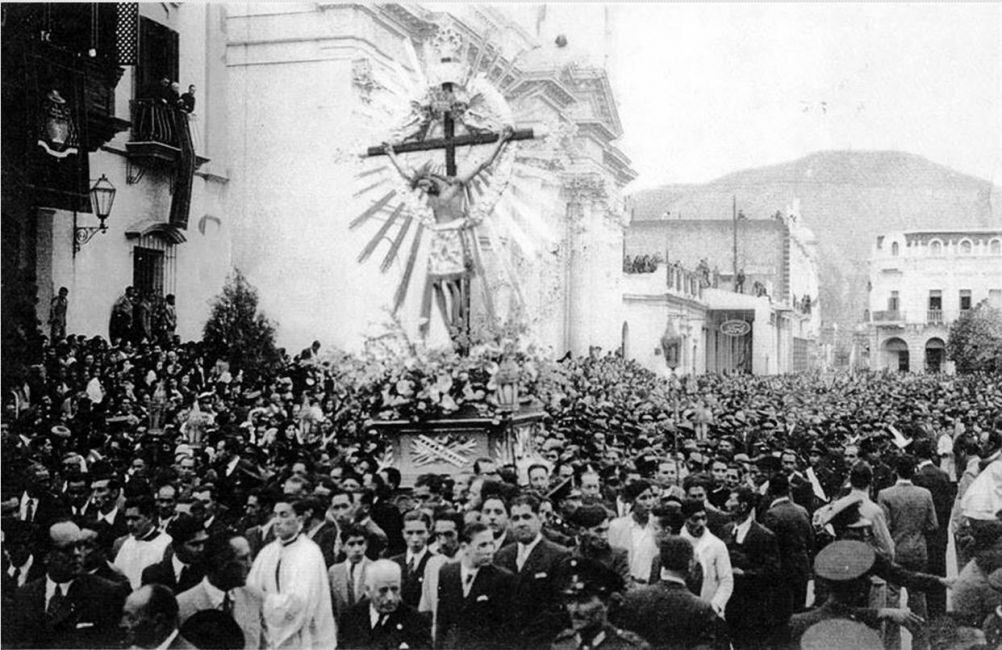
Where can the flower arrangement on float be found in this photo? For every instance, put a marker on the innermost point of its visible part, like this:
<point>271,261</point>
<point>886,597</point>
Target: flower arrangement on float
<point>404,380</point>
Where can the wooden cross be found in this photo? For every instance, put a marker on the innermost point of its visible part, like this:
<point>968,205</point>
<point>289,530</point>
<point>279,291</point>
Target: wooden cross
<point>450,142</point>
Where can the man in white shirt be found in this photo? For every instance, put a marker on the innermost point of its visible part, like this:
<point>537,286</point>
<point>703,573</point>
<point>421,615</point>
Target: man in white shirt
<point>637,531</point>
<point>145,545</point>
<point>292,575</point>
<point>711,552</point>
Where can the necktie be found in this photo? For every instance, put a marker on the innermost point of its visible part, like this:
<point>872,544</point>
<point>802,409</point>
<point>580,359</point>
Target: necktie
<point>520,558</point>
<point>467,584</point>
<point>410,566</point>
<point>351,584</point>
<point>29,512</point>
<point>227,603</point>
<point>55,606</point>
<point>182,578</point>
<point>381,622</point>
<point>16,575</point>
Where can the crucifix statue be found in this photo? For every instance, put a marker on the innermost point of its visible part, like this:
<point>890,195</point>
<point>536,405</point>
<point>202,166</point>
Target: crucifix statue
<point>452,246</point>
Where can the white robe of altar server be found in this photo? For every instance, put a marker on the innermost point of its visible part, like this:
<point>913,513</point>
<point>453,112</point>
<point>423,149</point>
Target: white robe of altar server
<point>297,597</point>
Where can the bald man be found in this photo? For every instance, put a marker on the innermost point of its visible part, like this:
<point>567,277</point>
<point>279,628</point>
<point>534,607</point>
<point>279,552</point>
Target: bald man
<point>381,619</point>
<point>149,618</point>
<point>68,607</point>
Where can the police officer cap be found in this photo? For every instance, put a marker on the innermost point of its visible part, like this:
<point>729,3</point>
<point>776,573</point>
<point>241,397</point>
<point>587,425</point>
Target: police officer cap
<point>583,577</point>
<point>840,633</point>
<point>589,516</point>
<point>844,560</point>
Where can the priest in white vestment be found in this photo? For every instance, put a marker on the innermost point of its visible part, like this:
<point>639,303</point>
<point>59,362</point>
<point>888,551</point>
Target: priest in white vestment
<point>144,545</point>
<point>292,575</point>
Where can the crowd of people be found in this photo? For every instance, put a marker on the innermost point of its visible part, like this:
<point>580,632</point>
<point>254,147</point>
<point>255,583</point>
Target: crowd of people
<point>154,498</point>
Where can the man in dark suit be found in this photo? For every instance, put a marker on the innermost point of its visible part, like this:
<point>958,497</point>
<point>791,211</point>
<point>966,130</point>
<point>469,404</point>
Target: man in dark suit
<point>667,614</point>
<point>65,609</point>
<point>182,568</point>
<point>795,535</point>
<point>381,620</point>
<point>38,506</point>
<point>417,528</point>
<point>237,475</point>
<point>149,618</point>
<point>94,560</point>
<point>801,489</point>
<point>109,518</point>
<point>20,564</point>
<point>930,477</point>
<point>592,540</point>
<point>474,596</point>
<point>754,555</point>
<point>538,616</point>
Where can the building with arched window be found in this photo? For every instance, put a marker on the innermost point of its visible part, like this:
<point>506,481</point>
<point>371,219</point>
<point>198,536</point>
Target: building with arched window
<point>922,281</point>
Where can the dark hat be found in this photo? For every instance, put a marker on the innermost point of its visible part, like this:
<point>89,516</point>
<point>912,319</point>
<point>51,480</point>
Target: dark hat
<point>840,633</point>
<point>586,577</point>
<point>589,516</point>
<point>844,560</point>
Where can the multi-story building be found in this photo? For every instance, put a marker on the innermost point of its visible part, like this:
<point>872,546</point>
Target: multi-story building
<point>778,259</point>
<point>107,180</point>
<point>922,281</point>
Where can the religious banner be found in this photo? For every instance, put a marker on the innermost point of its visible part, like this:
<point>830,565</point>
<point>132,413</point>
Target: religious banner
<point>57,161</point>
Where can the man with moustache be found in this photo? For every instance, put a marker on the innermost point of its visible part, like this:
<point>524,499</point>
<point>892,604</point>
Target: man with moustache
<point>533,560</point>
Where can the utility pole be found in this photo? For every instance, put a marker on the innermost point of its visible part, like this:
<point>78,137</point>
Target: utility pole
<point>734,230</point>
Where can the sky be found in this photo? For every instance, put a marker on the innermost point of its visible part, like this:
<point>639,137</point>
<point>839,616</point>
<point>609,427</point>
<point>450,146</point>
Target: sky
<point>708,89</point>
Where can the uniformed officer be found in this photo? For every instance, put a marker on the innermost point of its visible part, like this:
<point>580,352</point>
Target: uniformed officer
<point>844,565</point>
<point>587,587</point>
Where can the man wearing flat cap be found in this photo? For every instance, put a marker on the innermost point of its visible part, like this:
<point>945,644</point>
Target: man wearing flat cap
<point>587,587</point>
<point>591,522</point>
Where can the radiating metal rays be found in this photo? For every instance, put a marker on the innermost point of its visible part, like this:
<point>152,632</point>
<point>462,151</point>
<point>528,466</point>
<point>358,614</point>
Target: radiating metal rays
<point>373,209</point>
<point>405,279</point>
<point>395,246</point>
<point>378,237</point>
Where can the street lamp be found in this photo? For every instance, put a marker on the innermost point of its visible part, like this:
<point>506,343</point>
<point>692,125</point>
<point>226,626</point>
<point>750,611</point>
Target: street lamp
<point>102,197</point>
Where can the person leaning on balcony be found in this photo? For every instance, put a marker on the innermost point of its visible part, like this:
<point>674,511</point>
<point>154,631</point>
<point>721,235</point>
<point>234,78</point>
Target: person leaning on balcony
<point>187,101</point>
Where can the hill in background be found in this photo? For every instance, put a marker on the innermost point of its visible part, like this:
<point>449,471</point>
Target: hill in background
<point>847,198</point>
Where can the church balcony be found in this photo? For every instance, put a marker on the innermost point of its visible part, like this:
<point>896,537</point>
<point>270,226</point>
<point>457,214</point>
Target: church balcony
<point>158,134</point>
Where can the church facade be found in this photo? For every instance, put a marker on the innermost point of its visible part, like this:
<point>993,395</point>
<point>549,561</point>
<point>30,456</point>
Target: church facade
<point>308,88</point>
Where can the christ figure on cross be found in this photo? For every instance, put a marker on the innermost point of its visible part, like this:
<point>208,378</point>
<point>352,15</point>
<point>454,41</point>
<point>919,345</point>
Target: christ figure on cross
<point>450,260</point>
